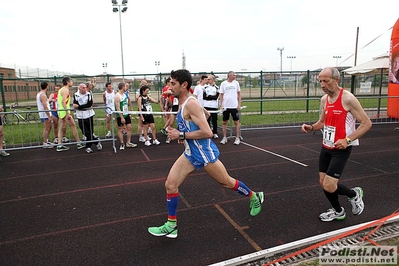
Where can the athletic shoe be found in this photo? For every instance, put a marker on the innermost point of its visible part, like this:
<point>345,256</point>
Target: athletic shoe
<point>65,140</point>
<point>164,230</point>
<point>142,139</point>
<point>331,214</point>
<point>99,146</point>
<point>163,131</point>
<point>237,141</point>
<point>55,141</point>
<point>80,145</point>
<point>47,145</point>
<point>256,204</point>
<point>156,142</point>
<point>167,140</point>
<point>62,148</point>
<point>147,143</point>
<point>122,147</point>
<point>215,136</point>
<point>84,138</point>
<point>223,141</point>
<point>357,201</point>
<point>108,134</point>
<point>4,153</point>
<point>89,150</point>
<point>131,145</point>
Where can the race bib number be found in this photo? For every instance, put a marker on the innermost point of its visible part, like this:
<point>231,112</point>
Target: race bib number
<point>125,110</point>
<point>329,136</point>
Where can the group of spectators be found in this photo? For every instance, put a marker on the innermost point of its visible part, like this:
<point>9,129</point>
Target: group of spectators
<point>55,111</point>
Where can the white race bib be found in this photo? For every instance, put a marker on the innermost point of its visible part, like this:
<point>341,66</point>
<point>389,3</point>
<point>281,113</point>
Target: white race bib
<point>125,110</point>
<point>329,136</point>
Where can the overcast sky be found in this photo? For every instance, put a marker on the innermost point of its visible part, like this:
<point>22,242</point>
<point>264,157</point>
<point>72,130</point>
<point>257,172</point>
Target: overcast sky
<point>78,36</point>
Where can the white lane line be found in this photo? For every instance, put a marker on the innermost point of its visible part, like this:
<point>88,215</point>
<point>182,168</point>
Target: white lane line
<point>275,154</point>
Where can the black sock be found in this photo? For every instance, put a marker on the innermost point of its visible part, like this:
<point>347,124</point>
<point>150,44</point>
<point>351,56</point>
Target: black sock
<point>333,199</point>
<point>343,190</point>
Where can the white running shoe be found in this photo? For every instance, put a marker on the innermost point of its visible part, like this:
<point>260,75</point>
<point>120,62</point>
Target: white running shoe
<point>141,139</point>
<point>47,145</point>
<point>223,141</point>
<point>237,141</point>
<point>99,146</point>
<point>331,214</point>
<point>156,142</point>
<point>357,201</point>
<point>131,145</point>
<point>215,136</point>
<point>89,150</point>
<point>147,143</point>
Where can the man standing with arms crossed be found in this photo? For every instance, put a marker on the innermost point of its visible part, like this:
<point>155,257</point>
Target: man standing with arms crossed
<point>339,111</point>
<point>64,115</point>
<point>230,103</point>
<point>211,103</point>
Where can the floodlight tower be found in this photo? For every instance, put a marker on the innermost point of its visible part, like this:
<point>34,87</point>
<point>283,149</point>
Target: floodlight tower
<point>336,59</point>
<point>281,49</point>
<point>291,57</point>
<point>105,68</point>
<point>117,8</point>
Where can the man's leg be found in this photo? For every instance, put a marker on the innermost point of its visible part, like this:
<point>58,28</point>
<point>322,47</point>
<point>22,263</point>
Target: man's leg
<point>214,117</point>
<point>72,126</point>
<point>87,132</point>
<point>177,174</point>
<point>218,172</point>
<point>61,126</point>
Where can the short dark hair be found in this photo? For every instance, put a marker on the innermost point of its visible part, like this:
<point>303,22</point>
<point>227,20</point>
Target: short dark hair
<point>65,80</point>
<point>204,77</point>
<point>44,85</point>
<point>108,83</point>
<point>167,80</point>
<point>121,85</point>
<point>182,75</point>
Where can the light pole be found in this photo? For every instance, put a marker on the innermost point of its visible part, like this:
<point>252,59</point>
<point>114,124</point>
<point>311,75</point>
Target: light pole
<point>117,8</point>
<point>336,57</point>
<point>291,57</point>
<point>105,67</point>
<point>281,49</point>
<point>157,63</point>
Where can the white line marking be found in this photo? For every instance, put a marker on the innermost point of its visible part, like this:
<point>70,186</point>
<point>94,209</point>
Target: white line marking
<point>278,155</point>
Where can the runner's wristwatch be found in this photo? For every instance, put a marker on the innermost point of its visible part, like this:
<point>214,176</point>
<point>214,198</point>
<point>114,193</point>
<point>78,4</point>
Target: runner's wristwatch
<point>182,135</point>
<point>349,141</point>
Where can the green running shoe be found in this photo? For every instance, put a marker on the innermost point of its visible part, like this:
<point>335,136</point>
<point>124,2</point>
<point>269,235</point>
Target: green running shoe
<point>256,204</point>
<point>164,230</point>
